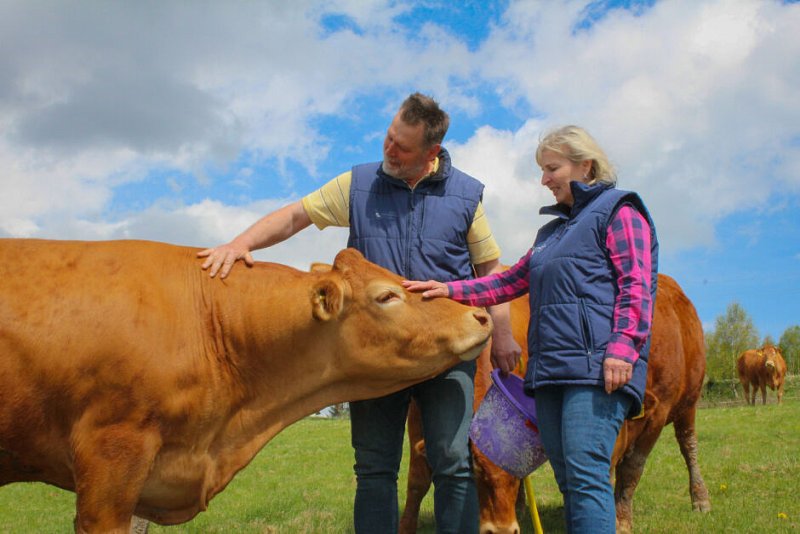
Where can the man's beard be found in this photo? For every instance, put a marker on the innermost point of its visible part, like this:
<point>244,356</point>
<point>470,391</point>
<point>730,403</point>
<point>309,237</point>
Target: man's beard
<point>403,173</point>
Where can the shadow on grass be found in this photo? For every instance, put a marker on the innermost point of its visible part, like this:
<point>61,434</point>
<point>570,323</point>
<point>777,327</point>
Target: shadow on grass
<point>551,518</point>
<point>426,524</point>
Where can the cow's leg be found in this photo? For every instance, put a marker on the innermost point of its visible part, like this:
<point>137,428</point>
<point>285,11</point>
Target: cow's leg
<point>111,466</point>
<point>629,471</point>
<point>687,441</point>
<point>419,472</point>
<point>746,387</point>
<point>763,394</point>
<point>780,393</point>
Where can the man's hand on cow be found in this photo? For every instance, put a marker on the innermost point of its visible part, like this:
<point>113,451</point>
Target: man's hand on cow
<point>221,259</point>
<point>430,289</point>
<point>617,373</point>
<point>505,351</point>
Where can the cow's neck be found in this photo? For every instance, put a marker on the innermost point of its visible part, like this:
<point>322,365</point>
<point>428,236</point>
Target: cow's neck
<point>269,346</point>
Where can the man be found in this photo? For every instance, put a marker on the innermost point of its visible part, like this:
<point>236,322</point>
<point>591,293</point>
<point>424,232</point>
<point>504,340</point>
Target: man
<point>414,214</point>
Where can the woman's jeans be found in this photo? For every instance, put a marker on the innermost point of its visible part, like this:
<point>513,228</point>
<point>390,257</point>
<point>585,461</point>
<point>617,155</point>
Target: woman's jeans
<point>579,426</point>
<point>378,433</point>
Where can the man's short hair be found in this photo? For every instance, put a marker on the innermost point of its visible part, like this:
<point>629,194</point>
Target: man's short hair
<point>420,108</point>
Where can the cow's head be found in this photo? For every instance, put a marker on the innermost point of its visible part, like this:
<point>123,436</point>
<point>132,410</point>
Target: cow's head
<point>772,356</point>
<point>498,493</point>
<point>380,329</point>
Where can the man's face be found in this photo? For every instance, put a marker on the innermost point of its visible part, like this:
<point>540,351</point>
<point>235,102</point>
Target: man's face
<point>405,156</point>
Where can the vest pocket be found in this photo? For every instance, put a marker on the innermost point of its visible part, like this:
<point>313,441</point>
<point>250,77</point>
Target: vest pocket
<point>586,328</point>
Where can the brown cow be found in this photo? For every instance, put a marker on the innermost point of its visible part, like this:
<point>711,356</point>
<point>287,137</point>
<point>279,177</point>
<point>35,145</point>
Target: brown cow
<point>761,368</point>
<point>674,382</point>
<point>498,491</point>
<point>131,377</point>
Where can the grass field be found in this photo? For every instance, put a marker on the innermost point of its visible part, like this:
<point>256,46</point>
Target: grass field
<point>302,482</point>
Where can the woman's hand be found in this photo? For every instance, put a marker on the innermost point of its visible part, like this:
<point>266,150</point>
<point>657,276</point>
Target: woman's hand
<point>431,288</point>
<point>617,373</point>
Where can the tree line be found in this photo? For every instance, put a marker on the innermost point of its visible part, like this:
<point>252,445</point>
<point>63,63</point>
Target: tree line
<point>734,333</point>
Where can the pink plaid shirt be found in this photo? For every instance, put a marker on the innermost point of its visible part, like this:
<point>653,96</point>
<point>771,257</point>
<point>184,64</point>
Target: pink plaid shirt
<point>628,244</point>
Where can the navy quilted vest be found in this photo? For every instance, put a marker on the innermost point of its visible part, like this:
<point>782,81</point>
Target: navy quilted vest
<point>418,233</point>
<point>572,293</point>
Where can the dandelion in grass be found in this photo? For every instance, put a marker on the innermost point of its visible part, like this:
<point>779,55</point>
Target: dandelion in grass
<point>781,515</point>
<point>723,487</point>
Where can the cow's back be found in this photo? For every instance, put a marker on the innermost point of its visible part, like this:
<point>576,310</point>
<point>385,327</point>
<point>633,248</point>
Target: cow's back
<point>677,364</point>
<point>676,368</point>
<point>91,334</point>
<point>748,366</point>
<point>65,307</point>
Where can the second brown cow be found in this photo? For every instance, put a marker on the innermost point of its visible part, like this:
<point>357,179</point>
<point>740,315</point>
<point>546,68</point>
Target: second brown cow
<point>761,368</point>
<point>674,383</point>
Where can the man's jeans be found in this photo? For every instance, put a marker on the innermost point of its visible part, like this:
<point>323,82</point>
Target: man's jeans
<point>378,432</point>
<point>579,425</point>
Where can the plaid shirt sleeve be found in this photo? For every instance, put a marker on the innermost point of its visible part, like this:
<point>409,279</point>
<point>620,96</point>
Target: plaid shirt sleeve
<point>494,288</point>
<point>628,242</point>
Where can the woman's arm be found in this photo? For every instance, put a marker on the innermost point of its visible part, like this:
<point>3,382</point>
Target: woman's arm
<point>484,291</point>
<point>628,242</point>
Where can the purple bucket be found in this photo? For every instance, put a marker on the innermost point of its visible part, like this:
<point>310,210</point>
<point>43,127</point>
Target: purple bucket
<point>505,427</point>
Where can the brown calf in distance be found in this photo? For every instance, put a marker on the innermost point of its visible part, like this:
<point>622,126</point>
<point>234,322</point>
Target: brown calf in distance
<point>761,368</point>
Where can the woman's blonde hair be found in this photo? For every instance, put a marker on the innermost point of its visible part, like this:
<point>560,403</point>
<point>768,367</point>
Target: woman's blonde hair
<point>575,144</point>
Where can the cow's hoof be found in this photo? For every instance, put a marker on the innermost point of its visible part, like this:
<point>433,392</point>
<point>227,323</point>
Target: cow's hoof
<point>139,525</point>
<point>624,527</point>
<point>701,506</point>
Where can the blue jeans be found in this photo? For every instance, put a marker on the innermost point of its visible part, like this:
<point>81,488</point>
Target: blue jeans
<point>378,432</point>
<point>578,426</point>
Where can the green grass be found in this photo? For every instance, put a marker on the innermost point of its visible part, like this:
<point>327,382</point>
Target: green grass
<point>302,482</point>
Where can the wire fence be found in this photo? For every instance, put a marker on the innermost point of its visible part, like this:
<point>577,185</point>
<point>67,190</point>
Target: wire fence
<point>720,393</point>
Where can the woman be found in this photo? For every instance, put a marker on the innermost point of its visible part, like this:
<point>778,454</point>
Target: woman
<point>591,278</point>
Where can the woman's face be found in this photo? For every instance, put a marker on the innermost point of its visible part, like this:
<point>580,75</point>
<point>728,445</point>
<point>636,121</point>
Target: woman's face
<point>558,172</point>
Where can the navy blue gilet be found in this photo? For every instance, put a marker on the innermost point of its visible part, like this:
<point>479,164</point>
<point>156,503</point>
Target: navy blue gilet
<point>572,293</point>
<point>418,233</point>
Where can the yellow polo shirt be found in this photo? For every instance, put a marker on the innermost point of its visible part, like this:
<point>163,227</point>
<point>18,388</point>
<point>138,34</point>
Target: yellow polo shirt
<point>330,206</point>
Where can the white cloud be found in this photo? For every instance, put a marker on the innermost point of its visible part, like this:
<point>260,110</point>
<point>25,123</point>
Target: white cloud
<point>210,223</point>
<point>93,97</point>
<point>505,162</point>
<point>694,101</point>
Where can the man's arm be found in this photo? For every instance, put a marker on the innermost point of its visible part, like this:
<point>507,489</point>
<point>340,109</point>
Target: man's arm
<point>505,350</point>
<point>271,229</point>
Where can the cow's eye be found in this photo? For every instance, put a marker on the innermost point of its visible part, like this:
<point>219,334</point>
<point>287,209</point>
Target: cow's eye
<point>387,296</point>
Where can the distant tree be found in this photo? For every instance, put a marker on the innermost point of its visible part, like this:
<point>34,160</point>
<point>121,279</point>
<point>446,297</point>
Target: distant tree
<point>790,347</point>
<point>768,341</point>
<point>734,333</point>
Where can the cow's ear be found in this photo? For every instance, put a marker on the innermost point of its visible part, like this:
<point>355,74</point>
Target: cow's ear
<point>318,267</point>
<point>327,299</point>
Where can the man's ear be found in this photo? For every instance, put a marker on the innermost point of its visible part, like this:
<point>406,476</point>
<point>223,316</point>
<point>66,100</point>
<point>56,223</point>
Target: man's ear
<point>327,299</point>
<point>433,151</point>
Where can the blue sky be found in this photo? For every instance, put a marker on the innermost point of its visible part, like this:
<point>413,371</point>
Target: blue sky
<point>186,121</point>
